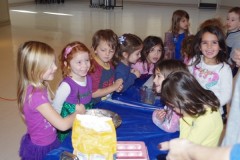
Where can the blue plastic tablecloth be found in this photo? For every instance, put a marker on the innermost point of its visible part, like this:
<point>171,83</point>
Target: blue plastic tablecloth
<point>136,125</point>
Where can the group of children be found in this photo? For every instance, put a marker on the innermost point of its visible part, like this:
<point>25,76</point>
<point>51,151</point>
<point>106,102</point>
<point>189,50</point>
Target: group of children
<point>194,86</point>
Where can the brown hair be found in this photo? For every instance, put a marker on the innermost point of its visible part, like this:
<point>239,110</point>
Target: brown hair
<point>235,10</point>
<point>182,90</point>
<point>187,47</point>
<point>148,43</point>
<point>170,65</point>
<point>213,22</point>
<point>105,35</point>
<point>127,43</point>
<point>176,18</point>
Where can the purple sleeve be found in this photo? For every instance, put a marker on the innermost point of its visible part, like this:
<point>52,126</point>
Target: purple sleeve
<point>40,97</point>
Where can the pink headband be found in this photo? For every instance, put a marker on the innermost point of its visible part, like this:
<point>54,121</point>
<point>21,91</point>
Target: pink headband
<point>68,50</point>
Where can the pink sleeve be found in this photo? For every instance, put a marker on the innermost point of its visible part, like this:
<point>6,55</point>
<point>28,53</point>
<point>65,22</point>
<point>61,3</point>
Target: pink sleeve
<point>138,66</point>
<point>170,124</point>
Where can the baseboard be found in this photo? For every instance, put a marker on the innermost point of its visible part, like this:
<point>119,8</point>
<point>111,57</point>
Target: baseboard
<point>15,4</point>
<point>207,6</point>
<point>5,23</point>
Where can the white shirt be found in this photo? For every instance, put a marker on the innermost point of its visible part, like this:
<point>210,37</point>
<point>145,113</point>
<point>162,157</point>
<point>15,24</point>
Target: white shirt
<point>217,78</point>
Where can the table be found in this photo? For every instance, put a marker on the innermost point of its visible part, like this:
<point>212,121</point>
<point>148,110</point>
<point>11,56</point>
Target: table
<point>136,124</point>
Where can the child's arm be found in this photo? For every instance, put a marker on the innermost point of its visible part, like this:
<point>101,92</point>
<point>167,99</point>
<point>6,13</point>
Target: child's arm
<point>236,56</point>
<point>225,85</point>
<point>182,149</point>
<point>168,123</point>
<point>62,93</point>
<point>127,74</point>
<point>107,90</point>
<point>55,119</point>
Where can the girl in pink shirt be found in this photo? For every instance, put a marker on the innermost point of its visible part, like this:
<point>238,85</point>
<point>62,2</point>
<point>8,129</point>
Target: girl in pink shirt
<point>36,66</point>
<point>152,52</point>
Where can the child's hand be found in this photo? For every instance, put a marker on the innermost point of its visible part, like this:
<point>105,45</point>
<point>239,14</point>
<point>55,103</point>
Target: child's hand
<point>118,85</point>
<point>136,72</point>
<point>160,114</point>
<point>80,109</point>
<point>119,89</point>
<point>236,57</point>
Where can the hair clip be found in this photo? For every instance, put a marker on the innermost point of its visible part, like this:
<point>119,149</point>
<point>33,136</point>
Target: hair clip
<point>121,39</point>
<point>68,50</point>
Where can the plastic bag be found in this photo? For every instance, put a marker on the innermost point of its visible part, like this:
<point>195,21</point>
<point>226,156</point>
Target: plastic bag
<point>94,138</point>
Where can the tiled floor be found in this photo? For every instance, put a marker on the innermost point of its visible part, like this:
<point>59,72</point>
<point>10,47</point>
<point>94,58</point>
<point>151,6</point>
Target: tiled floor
<point>78,23</point>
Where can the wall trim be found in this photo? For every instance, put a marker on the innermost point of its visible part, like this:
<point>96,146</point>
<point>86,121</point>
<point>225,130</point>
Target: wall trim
<point>5,23</point>
<point>20,3</point>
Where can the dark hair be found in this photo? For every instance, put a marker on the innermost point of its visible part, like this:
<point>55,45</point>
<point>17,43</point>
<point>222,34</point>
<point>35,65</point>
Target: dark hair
<point>183,91</point>
<point>235,10</point>
<point>187,47</point>
<point>222,55</point>
<point>148,43</point>
<point>176,18</point>
<point>127,43</point>
<point>170,65</point>
<point>105,35</point>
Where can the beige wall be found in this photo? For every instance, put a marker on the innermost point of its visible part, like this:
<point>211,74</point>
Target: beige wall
<point>230,3</point>
<point>4,14</point>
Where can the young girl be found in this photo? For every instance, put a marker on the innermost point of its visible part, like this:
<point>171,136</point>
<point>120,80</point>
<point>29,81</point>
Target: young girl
<point>36,65</point>
<point>128,54</point>
<point>166,118</point>
<point>104,43</point>
<point>209,66</point>
<point>178,31</point>
<point>200,120</point>
<point>152,52</point>
<point>76,86</point>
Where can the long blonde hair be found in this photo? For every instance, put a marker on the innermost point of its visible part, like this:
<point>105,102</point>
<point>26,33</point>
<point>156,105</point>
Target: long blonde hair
<point>33,60</point>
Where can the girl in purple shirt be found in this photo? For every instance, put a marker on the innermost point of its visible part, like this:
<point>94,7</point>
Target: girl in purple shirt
<point>36,66</point>
<point>76,86</point>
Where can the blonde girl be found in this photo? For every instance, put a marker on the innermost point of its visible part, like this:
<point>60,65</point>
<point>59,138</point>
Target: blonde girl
<point>36,66</point>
